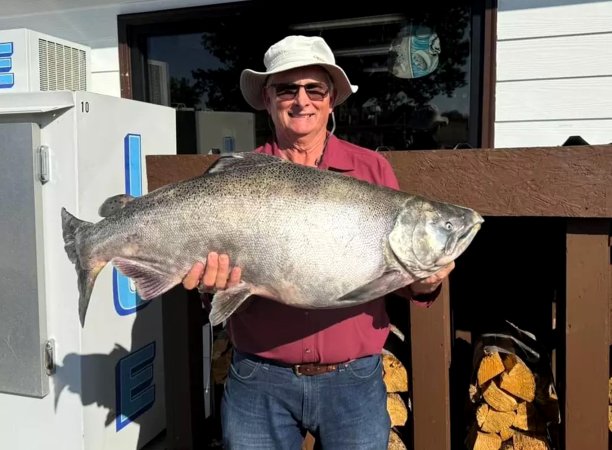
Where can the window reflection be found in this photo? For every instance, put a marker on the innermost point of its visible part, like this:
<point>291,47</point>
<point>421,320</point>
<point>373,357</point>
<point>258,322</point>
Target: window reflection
<point>413,72</point>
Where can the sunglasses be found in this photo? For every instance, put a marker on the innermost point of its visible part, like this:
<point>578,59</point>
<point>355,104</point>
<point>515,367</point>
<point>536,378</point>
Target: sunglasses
<point>288,91</point>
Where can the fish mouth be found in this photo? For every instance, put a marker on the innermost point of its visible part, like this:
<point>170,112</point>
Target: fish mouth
<point>462,242</point>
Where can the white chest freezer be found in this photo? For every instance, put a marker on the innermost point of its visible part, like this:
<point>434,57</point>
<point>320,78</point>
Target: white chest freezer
<point>63,386</point>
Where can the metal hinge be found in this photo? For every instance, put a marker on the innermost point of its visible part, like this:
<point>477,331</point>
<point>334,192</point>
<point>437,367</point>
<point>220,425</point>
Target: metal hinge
<point>43,164</point>
<point>50,357</point>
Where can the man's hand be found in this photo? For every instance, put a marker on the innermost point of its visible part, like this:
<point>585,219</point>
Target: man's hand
<point>431,283</point>
<point>214,274</point>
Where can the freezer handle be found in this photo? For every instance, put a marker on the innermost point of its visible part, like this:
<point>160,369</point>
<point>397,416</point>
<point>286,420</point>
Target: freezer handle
<point>43,163</point>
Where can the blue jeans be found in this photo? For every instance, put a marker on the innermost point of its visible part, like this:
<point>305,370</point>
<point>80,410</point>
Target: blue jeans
<point>267,406</point>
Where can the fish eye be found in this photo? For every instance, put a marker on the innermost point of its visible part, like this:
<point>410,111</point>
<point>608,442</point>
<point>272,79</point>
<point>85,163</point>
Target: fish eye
<point>448,226</point>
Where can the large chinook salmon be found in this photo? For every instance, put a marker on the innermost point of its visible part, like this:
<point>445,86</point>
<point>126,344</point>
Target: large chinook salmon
<point>302,236</point>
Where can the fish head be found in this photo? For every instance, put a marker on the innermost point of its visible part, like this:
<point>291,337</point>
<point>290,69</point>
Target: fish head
<point>429,235</point>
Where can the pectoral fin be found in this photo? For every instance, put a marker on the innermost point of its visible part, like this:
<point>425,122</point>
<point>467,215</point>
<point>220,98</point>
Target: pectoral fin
<point>387,282</point>
<point>226,302</point>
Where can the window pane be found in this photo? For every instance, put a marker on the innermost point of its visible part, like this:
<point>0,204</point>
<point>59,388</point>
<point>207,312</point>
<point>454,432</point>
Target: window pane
<point>412,69</point>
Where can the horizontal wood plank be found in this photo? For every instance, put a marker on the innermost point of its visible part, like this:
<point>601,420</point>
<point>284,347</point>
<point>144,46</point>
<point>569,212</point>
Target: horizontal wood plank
<point>553,182</point>
<point>548,181</point>
<point>166,169</point>
<point>517,19</point>
<point>561,99</point>
<point>555,57</point>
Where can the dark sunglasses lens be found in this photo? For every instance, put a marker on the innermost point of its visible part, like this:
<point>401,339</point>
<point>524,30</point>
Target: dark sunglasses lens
<point>286,91</point>
<point>316,91</point>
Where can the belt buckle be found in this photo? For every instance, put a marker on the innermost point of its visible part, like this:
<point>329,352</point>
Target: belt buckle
<point>296,370</point>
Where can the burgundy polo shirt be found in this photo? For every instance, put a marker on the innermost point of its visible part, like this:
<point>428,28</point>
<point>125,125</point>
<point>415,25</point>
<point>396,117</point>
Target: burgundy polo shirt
<point>291,335</point>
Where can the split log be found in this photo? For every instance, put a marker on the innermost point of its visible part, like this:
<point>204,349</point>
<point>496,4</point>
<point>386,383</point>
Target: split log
<point>498,399</point>
<point>490,366</point>
<point>398,412</point>
<point>498,421</point>
<point>395,442</point>
<point>395,375</point>
<point>506,433</point>
<point>309,442</point>
<point>525,416</point>
<point>518,380</point>
<point>610,404</point>
<point>478,440</point>
<point>513,397</point>
<point>524,441</point>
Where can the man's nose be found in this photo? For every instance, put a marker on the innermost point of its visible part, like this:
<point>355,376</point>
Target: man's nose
<point>301,97</point>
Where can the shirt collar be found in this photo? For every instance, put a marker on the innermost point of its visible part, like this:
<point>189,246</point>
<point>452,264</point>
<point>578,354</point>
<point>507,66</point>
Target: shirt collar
<point>334,158</point>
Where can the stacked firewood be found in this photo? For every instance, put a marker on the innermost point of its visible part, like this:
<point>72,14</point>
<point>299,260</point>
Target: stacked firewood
<point>610,404</point>
<point>395,377</point>
<point>512,405</point>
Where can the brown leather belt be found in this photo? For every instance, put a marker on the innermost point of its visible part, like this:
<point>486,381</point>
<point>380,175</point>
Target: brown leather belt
<point>310,369</point>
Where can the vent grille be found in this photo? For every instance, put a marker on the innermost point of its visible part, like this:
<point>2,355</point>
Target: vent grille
<point>61,67</point>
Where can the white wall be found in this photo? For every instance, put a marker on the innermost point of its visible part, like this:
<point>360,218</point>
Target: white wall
<point>554,72</point>
<point>554,60</point>
<point>94,26</point>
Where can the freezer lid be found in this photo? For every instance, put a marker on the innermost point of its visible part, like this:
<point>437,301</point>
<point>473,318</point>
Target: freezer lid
<point>35,102</point>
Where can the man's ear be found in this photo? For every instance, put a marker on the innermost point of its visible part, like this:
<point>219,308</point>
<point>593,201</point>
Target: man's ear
<point>266,98</point>
<point>332,98</point>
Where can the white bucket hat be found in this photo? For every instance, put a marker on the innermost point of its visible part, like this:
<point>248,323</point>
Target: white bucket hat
<point>290,53</point>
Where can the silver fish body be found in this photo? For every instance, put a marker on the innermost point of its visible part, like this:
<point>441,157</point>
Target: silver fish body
<point>303,237</point>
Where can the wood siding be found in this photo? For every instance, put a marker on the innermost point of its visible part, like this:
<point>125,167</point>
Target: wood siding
<point>554,72</point>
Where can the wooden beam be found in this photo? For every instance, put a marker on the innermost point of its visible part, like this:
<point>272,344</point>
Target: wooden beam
<point>166,169</point>
<point>548,181</point>
<point>430,384</point>
<point>587,333</point>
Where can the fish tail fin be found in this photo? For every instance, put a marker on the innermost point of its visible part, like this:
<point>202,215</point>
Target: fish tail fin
<point>86,276</point>
<point>70,227</point>
<point>87,279</point>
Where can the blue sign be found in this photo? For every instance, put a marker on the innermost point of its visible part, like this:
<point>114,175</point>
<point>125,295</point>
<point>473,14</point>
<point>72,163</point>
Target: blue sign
<point>7,78</point>
<point>134,385</point>
<point>126,300</point>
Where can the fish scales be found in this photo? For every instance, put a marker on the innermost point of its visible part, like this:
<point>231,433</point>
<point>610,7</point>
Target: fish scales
<point>304,237</point>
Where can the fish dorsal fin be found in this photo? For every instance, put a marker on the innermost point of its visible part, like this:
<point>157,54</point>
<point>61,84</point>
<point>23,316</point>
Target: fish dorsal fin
<point>242,160</point>
<point>113,204</point>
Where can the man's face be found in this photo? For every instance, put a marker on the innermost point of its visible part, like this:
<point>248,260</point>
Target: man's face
<point>299,111</point>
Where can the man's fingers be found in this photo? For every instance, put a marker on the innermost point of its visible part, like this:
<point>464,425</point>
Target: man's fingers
<point>192,279</point>
<point>446,270</point>
<point>222,272</point>
<point>234,277</point>
<point>441,274</point>
<point>212,267</point>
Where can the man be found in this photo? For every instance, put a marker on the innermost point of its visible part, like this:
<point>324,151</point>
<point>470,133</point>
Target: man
<point>297,370</point>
